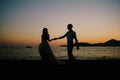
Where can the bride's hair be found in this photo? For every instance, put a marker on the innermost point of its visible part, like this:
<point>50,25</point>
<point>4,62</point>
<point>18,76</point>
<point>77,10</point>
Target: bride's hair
<point>45,31</point>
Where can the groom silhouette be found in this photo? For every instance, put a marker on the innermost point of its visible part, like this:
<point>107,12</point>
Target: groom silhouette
<point>70,36</point>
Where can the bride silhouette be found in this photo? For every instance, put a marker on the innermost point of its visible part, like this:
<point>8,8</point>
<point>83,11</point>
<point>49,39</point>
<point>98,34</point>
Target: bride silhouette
<point>45,50</point>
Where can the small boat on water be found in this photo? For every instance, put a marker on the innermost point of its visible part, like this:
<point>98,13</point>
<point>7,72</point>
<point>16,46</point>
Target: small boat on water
<point>3,46</point>
<point>28,46</point>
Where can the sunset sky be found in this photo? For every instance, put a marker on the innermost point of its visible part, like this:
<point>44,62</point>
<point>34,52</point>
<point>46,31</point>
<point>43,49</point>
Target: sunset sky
<point>22,21</point>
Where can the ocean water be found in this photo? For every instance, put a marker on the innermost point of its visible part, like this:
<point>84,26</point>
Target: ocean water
<point>84,53</point>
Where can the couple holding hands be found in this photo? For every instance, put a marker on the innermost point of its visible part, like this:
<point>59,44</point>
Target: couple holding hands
<point>45,50</point>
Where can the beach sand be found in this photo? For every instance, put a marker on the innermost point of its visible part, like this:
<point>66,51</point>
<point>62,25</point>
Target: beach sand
<point>64,61</point>
<point>77,66</point>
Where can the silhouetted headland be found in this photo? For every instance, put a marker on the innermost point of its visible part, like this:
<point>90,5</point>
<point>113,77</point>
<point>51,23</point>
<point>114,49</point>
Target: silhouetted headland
<point>111,42</point>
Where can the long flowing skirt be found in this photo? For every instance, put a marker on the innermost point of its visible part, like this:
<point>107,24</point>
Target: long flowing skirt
<point>47,54</point>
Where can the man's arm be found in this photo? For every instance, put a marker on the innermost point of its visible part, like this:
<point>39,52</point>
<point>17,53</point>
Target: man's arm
<point>76,42</point>
<point>60,37</point>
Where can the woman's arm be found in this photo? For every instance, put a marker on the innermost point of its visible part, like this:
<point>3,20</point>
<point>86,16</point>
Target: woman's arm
<point>48,37</point>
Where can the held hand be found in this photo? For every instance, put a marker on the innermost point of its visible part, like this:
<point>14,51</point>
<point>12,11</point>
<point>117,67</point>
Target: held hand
<point>77,46</point>
<point>50,40</point>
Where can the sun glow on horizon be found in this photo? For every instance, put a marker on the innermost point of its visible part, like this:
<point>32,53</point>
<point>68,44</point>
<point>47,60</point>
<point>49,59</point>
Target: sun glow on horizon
<point>94,21</point>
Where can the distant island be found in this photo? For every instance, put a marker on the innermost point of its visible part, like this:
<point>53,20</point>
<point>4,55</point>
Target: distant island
<point>111,42</point>
<point>28,46</point>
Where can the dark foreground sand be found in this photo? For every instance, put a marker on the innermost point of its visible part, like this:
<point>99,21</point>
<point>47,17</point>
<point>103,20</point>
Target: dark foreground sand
<point>64,61</point>
<point>70,67</point>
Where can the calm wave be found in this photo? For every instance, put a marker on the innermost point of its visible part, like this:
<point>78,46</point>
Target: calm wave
<point>84,53</point>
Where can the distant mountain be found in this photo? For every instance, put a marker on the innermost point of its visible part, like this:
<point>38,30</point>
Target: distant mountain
<point>111,42</point>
